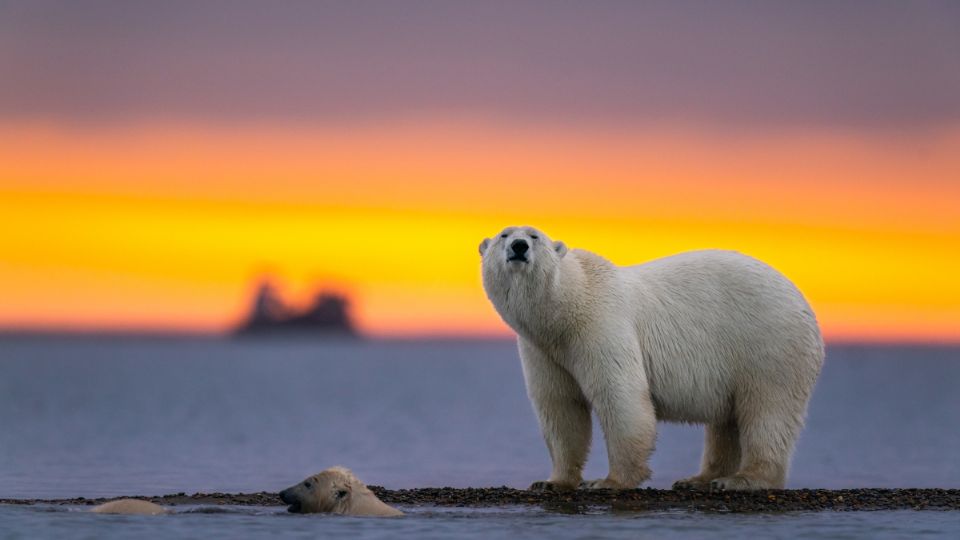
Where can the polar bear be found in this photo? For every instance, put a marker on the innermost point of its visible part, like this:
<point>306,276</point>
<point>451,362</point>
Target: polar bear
<point>338,491</point>
<point>131,507</point>
<point>711,337</point>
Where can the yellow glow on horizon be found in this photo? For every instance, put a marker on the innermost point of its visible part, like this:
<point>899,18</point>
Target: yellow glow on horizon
<point>167,226</point>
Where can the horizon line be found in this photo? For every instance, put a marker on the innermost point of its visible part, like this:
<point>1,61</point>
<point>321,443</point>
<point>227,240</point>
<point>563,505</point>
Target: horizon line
<point>306,336</point>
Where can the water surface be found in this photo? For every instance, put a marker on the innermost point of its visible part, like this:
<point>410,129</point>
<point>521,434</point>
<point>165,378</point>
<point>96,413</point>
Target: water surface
<point>95,417</point>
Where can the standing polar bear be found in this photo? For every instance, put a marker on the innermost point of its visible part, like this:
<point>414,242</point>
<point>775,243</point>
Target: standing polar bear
<point>711,337</point>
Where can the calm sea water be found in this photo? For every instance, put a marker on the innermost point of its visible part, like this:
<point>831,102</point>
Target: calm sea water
<point>96,417</point>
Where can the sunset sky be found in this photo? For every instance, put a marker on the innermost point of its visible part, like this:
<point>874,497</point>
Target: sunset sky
<point>156,159</point>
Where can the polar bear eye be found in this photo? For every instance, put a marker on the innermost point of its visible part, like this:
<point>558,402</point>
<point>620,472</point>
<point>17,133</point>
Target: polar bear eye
<point>503,236</point>
<point>535,237</point>
<point>306,485</point>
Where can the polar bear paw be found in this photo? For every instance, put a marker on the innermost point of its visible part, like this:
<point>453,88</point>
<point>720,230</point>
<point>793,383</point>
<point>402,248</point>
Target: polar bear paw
<point>737,482</point>
<point>694,483</point>
<point>602,483</point>
<point>547,485</point>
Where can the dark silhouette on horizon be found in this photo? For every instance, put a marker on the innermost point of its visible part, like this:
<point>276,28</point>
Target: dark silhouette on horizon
<point>328,315</point>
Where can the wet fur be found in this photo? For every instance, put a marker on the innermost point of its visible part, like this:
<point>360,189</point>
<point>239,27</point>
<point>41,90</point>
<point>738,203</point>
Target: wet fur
<point>130,507</point>
<point>337,491</point>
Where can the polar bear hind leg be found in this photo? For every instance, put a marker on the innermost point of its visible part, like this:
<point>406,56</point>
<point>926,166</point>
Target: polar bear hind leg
<point>721,456</point>
<point>769,425</point>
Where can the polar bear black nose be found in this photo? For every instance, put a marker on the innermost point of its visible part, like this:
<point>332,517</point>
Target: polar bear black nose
<point>519,247</point>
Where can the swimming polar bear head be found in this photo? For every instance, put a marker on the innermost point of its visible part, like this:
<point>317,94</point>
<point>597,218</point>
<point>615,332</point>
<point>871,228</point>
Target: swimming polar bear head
<point>335,490</point>
<point>519,250</point>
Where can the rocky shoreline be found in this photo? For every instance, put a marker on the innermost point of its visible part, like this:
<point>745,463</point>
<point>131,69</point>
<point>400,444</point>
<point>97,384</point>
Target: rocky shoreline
<point>804,500</point>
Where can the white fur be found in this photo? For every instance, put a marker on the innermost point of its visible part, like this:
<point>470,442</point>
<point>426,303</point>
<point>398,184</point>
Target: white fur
<point>712,337</point>
<point>336,490</point>
<point>130,507</point>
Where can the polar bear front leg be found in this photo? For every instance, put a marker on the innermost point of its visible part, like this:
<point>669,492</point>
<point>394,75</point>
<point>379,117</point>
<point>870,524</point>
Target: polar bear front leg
<point>564,416</point>
<point>616,384</point>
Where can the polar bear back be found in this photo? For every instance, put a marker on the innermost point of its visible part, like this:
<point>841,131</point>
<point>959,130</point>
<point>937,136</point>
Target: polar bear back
<point>130,507</point>
<point>719,325</point>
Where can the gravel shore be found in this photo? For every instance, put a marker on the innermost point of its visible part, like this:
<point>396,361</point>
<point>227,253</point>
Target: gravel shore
<point>808,500</point>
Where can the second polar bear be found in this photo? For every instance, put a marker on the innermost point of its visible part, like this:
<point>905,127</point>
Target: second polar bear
<point>711,337</point>
<point>338,491</point>
<point>130,507</point>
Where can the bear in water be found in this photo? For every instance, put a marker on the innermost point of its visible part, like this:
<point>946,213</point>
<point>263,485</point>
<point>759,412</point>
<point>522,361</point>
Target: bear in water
<point>130,507</point>
<point>338,491</point>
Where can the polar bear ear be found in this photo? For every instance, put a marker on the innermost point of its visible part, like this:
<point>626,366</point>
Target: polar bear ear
<point>484,245</point>
<point>560,248</point>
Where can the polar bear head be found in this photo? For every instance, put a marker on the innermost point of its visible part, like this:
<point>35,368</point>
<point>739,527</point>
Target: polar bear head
<point>522,268</point>
<point>335,490</point>
<point>520,250</point>
<point>327,491</point>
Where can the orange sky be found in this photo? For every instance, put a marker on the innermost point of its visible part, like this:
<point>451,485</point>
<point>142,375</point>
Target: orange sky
<point>166,225</point>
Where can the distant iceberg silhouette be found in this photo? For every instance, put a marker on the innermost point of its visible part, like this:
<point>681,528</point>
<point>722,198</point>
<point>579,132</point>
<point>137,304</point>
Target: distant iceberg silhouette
<point>327,315</point>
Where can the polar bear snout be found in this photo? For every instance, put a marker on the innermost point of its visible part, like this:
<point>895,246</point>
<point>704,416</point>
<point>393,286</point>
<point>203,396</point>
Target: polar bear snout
<point>289,497</point>
<point>517,253</point>
<point>518,250</point>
